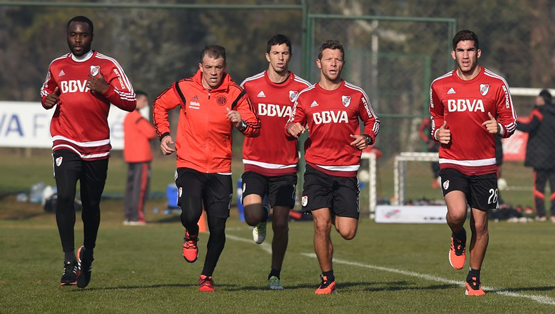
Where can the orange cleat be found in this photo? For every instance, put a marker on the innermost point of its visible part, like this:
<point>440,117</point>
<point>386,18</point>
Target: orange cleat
<point>190,248</point>
<point>474,288</point>
<point>326,287</point>
<point>457,257</point>
<point>206,283</point>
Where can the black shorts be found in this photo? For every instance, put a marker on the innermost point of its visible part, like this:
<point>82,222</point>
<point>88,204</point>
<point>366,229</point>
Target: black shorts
<point>215,190</point>
<point>339,194</point>
<point>481,191</point>
<point>281,190</point>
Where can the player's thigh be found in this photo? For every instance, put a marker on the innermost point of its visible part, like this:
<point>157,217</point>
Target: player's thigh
<point>67,171</point>
<point>483,192</point>
<point>218,194</point>
<point>282,190</point>
<point>254,187</point>
<point>456,189</point>
<point>317,190</point>
<point>345,197</point>
<point>190,184</point>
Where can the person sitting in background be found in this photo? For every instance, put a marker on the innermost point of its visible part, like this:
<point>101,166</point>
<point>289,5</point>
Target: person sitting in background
<point>540,151</point>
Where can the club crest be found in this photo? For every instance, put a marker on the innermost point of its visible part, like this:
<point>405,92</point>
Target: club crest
<point>346,100</point>
<point>59,161</point>
<point>95,69</point>
<point>293,95</point>
<point>446,184</point>
<point>484,88</point>
<point>304,200</point>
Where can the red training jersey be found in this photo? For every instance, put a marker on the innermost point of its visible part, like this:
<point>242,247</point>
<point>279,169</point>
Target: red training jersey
<point>465,105</point>
<point>80,122</point>
<point>204,140</point>
<point>331,117</point>
<point>137,133</point>
<point>271,153</point>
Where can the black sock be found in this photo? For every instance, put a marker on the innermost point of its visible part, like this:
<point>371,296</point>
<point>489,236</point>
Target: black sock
<point>461,235</point>
<point>473,273</point>
<point>69,256</point>
<point>87,254</point>
<point>274,272</point>
<point>329,275</point>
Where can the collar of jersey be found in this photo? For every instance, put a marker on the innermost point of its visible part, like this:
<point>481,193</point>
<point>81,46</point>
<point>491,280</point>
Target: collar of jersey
<point>83,58</point>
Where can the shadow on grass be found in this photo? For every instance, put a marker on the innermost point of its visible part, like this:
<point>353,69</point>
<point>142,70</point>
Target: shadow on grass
<point>544,288</point>
<point>171,285</point>
<point>367,286</point>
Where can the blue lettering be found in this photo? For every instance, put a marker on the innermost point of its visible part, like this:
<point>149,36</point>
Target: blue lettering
<point>14,126</point>
<point>37,125</point>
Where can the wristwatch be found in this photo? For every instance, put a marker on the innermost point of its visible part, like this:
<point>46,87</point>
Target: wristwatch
<point>243,126</point>
<point>368,139</point>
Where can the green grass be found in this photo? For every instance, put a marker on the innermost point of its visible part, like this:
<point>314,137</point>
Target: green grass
<point>140,269</point>
<point>19,173</point>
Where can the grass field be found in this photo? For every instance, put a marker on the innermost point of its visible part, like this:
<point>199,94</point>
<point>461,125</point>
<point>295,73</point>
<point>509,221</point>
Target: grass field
<point>385,269</point>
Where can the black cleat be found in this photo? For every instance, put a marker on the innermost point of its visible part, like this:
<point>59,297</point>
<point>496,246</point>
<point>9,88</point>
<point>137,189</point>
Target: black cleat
<point>69,276</point>
<point>84,270</point>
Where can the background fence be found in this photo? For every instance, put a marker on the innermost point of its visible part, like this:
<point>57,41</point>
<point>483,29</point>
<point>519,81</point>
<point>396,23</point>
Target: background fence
<point>394,50</point>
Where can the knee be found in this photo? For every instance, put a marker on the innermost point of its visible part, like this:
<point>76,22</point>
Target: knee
<point>280,226</point>
<point>322,226</point>
<point>253,214</point>
<point>481,228</point>
<point>457,216</point>
<point>348,234</point>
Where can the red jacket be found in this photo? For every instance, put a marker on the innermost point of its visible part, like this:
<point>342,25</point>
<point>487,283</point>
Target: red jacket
<point>137,135</point>
<point>204,133</point>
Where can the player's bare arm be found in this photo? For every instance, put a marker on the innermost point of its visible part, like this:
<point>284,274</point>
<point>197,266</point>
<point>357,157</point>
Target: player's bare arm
<point>295,129</point>
<point>52,98</point>
<point>165,145</point>
<point>97,84</point>
<point>444,134</point>
<point>491,125</point>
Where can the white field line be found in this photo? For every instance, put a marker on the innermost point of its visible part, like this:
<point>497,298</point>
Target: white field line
<point>537,298</point>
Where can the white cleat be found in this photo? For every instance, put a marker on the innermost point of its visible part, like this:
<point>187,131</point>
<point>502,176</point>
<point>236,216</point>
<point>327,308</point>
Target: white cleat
<point>274,283</point>
<point>259,232</point>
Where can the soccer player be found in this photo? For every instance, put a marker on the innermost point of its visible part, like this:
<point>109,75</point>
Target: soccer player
<point>330,110</point>
<point>138,132</point>
<point>211,105</point>
<point>468,106</point>
<point>81,85</point>
<point>270,159</point>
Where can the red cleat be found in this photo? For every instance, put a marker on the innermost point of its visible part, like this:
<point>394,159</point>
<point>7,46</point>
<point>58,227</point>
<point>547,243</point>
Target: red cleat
<point>206,283</point>
<point>190,248</point>
<point>457,256</point>
<point>474,288</point>
<point>326,287</point>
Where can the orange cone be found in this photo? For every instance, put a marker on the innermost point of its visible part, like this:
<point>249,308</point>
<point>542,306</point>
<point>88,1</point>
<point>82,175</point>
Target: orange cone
<point>202,222</point>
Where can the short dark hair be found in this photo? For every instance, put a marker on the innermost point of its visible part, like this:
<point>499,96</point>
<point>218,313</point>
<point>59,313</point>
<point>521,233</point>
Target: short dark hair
<point>546,95</point>
<point>465,35</point>
<point>140,92</point>
<point>279,39</point>
<point>82,19</point>
<point>213,51</point>
<point>331,44</point>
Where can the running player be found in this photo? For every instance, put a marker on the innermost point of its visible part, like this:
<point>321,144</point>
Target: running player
<point>81,85</point>
<point>468,106</point>
<point>270,159</point>
<point>330,110</point>
<point>211,105</point>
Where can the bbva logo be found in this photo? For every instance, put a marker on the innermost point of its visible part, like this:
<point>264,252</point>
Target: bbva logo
<point>465,105</point>
<point>330,117</point>
<point>73,86</point>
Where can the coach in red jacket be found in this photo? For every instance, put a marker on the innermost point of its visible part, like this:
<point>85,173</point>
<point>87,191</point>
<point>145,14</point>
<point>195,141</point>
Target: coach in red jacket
<point>211,106</point>
<point>81,85</point>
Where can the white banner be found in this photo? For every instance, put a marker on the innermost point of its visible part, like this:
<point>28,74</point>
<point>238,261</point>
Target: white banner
<point>27,124</point>
<point>411,214</point>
